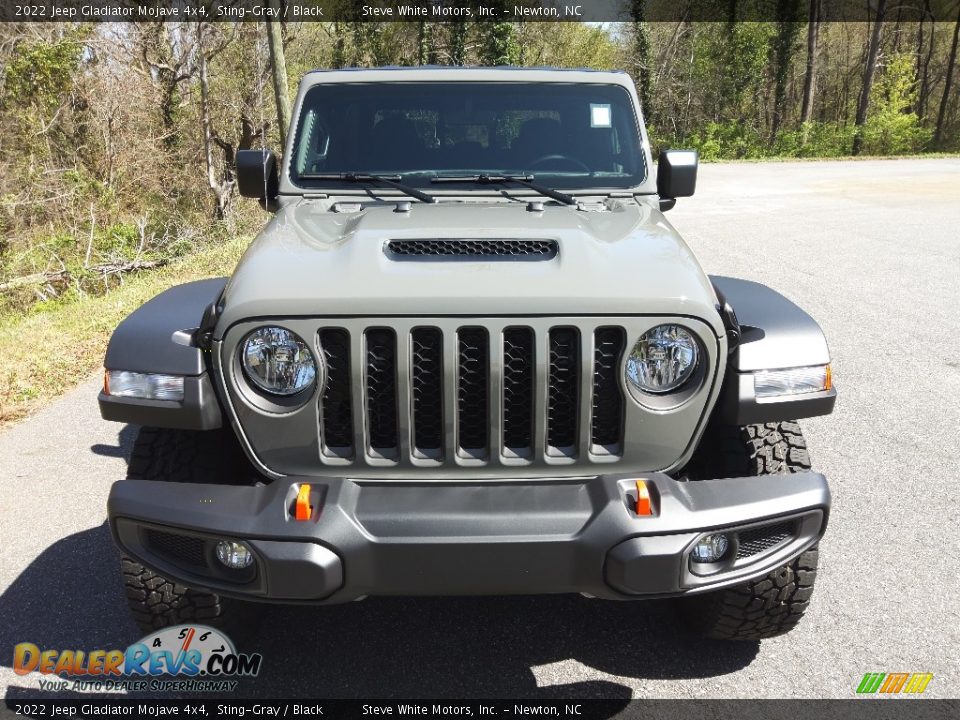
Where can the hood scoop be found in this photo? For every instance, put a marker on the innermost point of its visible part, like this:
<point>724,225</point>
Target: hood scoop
<point>472,249</point>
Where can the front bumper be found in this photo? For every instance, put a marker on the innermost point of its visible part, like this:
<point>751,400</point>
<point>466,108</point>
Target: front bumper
<point>468,538</point>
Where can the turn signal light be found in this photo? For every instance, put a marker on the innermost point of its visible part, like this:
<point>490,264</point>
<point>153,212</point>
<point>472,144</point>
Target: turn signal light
<point>303,509</point>
<point>644,505</point>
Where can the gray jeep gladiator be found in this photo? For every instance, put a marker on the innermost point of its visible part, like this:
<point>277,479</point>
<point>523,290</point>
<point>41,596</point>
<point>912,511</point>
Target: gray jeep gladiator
<point>468,355</point>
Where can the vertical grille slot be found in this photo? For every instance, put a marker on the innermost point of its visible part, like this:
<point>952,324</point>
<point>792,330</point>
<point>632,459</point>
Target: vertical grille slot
<point>426,369</point>
<point>563,394</point>
<point>472,382</point>
<point>518,389</point>
<point>381,390</point>
<point>606,430</point>
<point>336,409</point>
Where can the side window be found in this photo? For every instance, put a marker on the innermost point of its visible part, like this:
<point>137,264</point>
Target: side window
<point>321,146</point>
<point>312,155</point>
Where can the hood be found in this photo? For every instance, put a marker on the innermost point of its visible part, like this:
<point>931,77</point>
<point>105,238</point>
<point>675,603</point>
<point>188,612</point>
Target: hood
<point>617,257</point>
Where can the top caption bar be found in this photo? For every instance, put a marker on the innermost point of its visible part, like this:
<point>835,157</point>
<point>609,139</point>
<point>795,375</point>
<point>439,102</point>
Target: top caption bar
<point>464,10</point>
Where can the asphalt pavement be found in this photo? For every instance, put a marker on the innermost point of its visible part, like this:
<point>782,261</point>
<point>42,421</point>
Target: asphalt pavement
<point>871,249</point>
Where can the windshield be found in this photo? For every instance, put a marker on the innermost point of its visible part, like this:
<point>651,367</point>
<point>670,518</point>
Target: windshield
<point>565,135</point>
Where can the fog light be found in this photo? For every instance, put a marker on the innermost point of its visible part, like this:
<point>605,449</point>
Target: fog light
<point>235,555</point>
<point>710,548</point>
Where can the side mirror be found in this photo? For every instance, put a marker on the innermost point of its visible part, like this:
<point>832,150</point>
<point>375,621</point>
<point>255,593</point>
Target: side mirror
<point>257,174</point>
<point>676,176</point>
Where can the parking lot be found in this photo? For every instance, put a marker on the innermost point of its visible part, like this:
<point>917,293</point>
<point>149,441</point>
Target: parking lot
<point>871,249</point>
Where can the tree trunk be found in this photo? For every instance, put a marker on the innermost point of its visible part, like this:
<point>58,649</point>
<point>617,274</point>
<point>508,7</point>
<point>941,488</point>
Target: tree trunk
<point>863,103</point>
<point>641,56</point>
<point>918,72</point>
<point>222,189</point>
<point>339,58</point>
<point>787,29</point>
<point>421,43</point>
<point>923,63</point>
<point>458,42</point>
<point>948,85</point>
<point>278,66</point>
<point>810,75</point>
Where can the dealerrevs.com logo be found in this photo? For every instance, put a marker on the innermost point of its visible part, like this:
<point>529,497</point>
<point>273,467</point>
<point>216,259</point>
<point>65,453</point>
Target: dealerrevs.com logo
<point>181,658</point>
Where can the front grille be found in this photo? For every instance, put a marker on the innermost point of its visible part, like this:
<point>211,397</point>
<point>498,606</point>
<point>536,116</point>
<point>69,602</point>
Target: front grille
<point>181,549</point>
<point>757,540</point>
<point>563,390</point>
<point>466,248</point>
<point>607,401</point>
<point>518,387</point>
<point>381,387</point>
<point>473,380</point>
<point>427,388</point>
<point>337,415</point>
<point>501,392</point>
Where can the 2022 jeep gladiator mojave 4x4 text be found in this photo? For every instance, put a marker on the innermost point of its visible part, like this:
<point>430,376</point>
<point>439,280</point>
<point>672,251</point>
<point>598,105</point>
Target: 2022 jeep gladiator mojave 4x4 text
<point>469,355</point>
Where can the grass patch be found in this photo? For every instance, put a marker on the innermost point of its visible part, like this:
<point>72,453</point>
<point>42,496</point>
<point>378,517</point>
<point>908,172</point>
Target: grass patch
<point>52,348</point>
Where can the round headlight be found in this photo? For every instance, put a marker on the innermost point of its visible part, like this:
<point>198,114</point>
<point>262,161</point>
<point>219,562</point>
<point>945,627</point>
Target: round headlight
<point>277,361</point>
<point>662,360</point>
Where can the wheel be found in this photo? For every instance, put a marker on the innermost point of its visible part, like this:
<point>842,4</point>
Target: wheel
<point>165,455</point>
<point>774,604</point>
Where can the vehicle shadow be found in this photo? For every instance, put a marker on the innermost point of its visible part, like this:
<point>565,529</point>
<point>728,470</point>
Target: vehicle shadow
<point>125,439</point>
<point>70,597</point>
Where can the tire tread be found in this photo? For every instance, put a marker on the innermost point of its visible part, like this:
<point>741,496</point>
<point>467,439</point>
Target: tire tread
<point>166,455</point>
<point>774,604</point>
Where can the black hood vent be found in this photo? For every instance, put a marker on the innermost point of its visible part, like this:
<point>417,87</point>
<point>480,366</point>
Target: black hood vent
<point>471,249</point>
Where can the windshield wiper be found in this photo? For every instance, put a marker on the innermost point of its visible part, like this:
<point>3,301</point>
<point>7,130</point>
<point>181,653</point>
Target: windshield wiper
<point>524,180</point>
<point>391,180</point>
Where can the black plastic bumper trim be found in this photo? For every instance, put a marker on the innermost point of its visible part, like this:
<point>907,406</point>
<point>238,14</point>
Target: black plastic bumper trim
<point>460,538</point>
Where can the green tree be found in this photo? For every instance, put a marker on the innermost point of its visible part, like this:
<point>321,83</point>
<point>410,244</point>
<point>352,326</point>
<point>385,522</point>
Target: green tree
<point>641,55</point>
<point>426,44</point>
<point>785,46</point>
<point>458,42</point>
<point>894,127</point>
<point>500,45</point>
<point>869,69</point>
<point>40,73</point>
<point>945,98</point>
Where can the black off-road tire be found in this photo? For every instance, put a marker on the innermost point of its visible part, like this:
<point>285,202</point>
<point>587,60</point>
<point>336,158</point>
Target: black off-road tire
<point>165,455</point>
<point>774,604</point>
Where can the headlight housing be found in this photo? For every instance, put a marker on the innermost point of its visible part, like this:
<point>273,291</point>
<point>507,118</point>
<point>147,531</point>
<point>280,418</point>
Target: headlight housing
<point>793,381</point>
<point>662,359</point>
<point>146,386</point>
<point>278,361</point>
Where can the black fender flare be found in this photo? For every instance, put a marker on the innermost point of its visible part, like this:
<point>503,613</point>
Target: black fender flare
<point>161,337</point>
<point>774,333</point>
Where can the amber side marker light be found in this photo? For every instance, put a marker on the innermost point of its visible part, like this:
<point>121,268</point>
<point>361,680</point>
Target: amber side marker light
<point>644,504</point>
<point>303,509</point>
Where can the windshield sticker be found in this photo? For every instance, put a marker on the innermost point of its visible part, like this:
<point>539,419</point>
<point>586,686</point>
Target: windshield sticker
<point>599,115</point>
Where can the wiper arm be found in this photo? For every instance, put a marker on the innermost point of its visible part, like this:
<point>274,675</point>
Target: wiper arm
<point>524,180</point>
<point>391,180</point>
